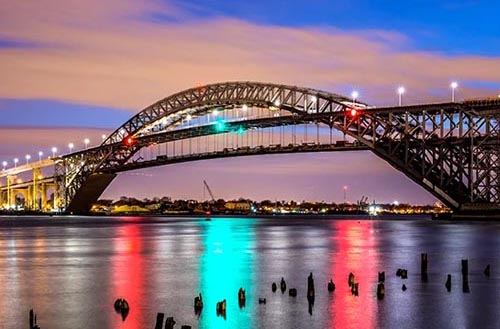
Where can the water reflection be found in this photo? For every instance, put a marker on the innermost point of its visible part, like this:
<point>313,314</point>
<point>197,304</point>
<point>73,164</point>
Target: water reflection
<point>356,251</point>
<point>227,263</point>
<point>128,275</point>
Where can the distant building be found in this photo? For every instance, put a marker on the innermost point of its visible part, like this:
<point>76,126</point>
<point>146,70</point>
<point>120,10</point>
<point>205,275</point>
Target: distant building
<point>238,206</point>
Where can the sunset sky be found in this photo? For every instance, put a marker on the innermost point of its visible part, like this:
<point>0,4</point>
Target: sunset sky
<point>75,69</point>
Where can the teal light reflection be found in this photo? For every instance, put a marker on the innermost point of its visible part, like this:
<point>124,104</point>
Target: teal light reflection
<point>227,263</point>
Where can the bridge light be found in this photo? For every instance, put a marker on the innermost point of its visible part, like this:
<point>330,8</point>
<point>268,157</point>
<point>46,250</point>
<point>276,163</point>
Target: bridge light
<point>241,130</point>
<point>215,113</point>
<point>129,141</point>
<point>70,146</point>
<point>453,86</point>
<point>401,91</point>
<point>16,160</point>
<point>103,137</point>
<point>277,103</point>
<point>245,108</point>
<point>54,150</point>
<point>86,141</point>
<point>40,153</point>
<point>27,157</point>
<point>4,164</point>
<point>353,113</point>
<point>314,99</point>
<point>220,125</point>
<point>189,117</point>
<point>354,96</point>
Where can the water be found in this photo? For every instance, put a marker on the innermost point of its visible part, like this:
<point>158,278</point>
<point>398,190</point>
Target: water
<point>70,270</point>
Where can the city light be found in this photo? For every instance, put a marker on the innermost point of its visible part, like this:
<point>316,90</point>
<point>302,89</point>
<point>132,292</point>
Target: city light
<point>453,86</point>
<point>314,99</point>
<point>54,151</point>
<point>215,113</point>
<point>16,160</point>
<point>70,146</point>
<point>401,91</point>
<point>103,137</point>
<point>188,117</point>
<point>27,157</point>
<point>4,164</point>
<point>277,103</point>
<point>86,141</point>
<point>245,108</point>
<point>40,154</point>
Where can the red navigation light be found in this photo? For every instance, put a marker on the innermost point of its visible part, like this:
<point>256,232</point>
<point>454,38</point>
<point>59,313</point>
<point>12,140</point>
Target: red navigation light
<point>354,112</point>
<point>129,141</point>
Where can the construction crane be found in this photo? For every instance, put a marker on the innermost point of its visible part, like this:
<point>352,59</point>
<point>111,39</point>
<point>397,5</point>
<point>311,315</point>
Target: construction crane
<point>209,190</point>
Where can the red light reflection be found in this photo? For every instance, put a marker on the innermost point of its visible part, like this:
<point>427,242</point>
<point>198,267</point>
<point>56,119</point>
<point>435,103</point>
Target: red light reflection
<point>128,274</point>
<point>356,252</point>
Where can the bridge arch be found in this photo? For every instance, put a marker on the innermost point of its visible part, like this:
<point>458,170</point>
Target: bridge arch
<point>420,141</point>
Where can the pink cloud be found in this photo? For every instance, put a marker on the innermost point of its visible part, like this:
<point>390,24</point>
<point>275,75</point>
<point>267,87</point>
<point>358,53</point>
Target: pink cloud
<point>108,53</point>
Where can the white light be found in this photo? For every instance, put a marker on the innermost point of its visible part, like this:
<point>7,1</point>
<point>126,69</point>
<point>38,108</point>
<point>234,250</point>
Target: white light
<point>314,99</point>
<point>277,103</point>
<point>396,203</point>
<point>103,137</point>
<point>354,95</point>
<point>215,112</point>
<point>28,157</point>
<point>245,108</point>
<point>453,86</point>
<point>401,91</point>
<point>40,153</point>
<point>16,160</point>
<point>86,141</point>
<point>70,146</point>
<point>4,164</point>
<point>188,117</point>
<point>54,150</point>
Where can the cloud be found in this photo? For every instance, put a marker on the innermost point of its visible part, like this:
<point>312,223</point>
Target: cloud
<point>114,53</point>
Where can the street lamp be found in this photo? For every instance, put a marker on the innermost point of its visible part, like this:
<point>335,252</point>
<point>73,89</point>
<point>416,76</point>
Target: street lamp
<point>40,153</point>
<point>28,157</point>
<point>4,164</point>
<point>453,86</point>
<point>245,108</point>
<point>103,137</point>
<point>54,150</point>
<point>189,117</point>
<point>354,96</point>
<point>86,141</point>
<point>401,91</point>
<point>70,146</point>
<point>16,160</point>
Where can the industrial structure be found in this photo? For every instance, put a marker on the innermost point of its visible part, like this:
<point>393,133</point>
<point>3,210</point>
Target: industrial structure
<point>451,149</point>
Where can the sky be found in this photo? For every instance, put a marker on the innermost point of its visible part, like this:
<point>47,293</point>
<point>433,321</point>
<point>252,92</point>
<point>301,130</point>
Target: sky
<point>76,69</point>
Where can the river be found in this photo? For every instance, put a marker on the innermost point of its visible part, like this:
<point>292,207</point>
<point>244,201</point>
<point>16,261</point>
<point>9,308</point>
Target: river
<point>71,270</point>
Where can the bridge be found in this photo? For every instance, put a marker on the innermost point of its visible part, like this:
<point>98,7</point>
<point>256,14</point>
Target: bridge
<point>451,149</point>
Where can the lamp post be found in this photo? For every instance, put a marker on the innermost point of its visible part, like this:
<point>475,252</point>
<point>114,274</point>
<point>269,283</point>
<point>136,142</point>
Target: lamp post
<point>54,151</point>
<point>103,137</point>
<point>354,96</point>
<point>40,153</point>
<point>86,141</point>
<point>453,86</point>
<point>28,157</point>
<point>16,160</point>
<point>4,164</point>
<point>401,91</point>
<point>70,146</point>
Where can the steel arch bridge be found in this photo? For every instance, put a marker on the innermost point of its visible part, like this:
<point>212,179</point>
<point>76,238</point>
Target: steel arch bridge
<point>450,149</point>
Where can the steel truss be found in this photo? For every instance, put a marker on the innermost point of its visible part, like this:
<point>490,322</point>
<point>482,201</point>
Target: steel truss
<point>451,149</point>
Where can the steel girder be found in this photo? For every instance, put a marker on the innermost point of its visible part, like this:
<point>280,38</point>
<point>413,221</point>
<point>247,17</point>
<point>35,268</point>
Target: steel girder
<point>451,149</point>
